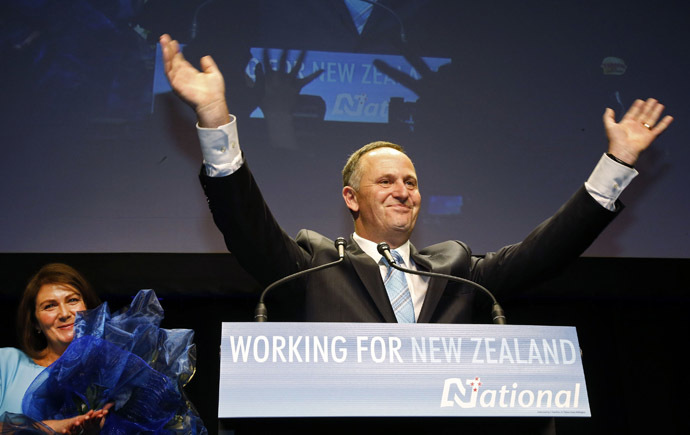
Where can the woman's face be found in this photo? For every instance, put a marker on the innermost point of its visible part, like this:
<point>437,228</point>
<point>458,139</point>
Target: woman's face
<point>56,307</point>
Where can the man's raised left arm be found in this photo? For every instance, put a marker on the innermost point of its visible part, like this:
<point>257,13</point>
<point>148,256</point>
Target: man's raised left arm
<point>628,138</point>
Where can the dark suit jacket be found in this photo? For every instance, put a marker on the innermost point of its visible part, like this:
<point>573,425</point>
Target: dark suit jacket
<point>354,292</point>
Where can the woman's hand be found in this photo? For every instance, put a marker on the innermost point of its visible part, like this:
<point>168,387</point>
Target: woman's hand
<point>90,423</point>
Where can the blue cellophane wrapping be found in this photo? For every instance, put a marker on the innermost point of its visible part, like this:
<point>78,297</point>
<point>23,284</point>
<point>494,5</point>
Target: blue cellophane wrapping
<point>125,359</point>
<point>20,424</point>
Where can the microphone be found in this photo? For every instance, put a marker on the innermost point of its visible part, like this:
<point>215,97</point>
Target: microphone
<point>261,313</point>
<point>340,245</point>
<point>497,315</point>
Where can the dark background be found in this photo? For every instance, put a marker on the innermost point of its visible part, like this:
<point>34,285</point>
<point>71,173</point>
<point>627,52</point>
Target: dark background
<point>630,315</point>
<point>100,172</point>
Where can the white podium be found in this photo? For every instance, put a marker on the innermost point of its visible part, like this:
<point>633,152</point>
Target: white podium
<point>389,370</point>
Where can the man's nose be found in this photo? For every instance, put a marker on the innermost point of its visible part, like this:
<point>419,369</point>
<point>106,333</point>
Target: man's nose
<point>400,190</point>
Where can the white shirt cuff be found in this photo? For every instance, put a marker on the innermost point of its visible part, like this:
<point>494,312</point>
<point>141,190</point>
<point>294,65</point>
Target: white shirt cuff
<point>608,180</point>
<point>220,148</point>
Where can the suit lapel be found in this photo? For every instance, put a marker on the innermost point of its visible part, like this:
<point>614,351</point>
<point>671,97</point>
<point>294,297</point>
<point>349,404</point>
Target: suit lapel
<point>436,285</point>
<point>368,272</point>
<point>341,10</point>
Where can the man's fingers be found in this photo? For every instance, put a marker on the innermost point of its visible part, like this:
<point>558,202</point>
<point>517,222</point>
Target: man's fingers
<point>164,41</point>
<point>208,65</point>
<point>165,49</point>
<point>662,125</point>
<point>267,61</point>
<point>310,78</point>
<point>171,53</point>
<point>418,64</point>
<point>282,63</point>
<point>396,75</point>
<point>609,117</point>
<point>297,66</point>
<point>175,54</point>
<point>646,112</point>
<point>653,112</point>
<point>634,110</point>
<point>259,75</point>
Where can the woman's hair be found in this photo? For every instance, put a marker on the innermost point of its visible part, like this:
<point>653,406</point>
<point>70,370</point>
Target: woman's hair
<point>33,342</point>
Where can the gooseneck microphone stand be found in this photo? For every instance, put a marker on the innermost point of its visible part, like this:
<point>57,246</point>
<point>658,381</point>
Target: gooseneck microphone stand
<point>497,315</point>
<point>261,313</point>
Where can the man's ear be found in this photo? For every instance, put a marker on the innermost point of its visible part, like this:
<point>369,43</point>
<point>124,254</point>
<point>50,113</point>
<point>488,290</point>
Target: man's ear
<point>350,197</point>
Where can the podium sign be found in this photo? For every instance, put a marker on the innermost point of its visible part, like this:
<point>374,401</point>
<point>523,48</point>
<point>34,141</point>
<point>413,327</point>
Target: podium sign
<point>386,370</point>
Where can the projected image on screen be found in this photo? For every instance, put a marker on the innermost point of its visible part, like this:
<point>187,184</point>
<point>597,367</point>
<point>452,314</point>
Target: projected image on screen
<point>352,88</point>
<point>499,106</point>
<point>349,86</point>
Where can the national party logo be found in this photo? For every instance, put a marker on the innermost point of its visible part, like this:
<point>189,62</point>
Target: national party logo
<point>472,393</point>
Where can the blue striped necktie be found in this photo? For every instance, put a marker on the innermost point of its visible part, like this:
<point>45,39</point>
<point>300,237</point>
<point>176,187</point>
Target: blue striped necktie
<point>360,12</point>
<point>399,292</point>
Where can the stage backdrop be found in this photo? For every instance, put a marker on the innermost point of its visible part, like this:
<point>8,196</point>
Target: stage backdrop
<point>498,103</point>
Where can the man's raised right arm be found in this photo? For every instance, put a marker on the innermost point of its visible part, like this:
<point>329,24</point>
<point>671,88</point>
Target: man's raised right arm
<point>238,208</point>
<point>204,91</point>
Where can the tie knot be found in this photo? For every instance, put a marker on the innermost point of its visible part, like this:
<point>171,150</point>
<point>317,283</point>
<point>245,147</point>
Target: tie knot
<point>397,257</point>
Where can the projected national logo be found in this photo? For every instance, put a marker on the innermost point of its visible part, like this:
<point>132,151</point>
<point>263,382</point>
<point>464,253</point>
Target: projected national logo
<point>351,87</point>
<point>472,393</point>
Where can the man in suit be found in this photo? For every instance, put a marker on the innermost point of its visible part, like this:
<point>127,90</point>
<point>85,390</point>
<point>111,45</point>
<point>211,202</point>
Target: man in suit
<point>381,191</point>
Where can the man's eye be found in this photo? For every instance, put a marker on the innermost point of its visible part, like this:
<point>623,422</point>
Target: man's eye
<point>384,182</point>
